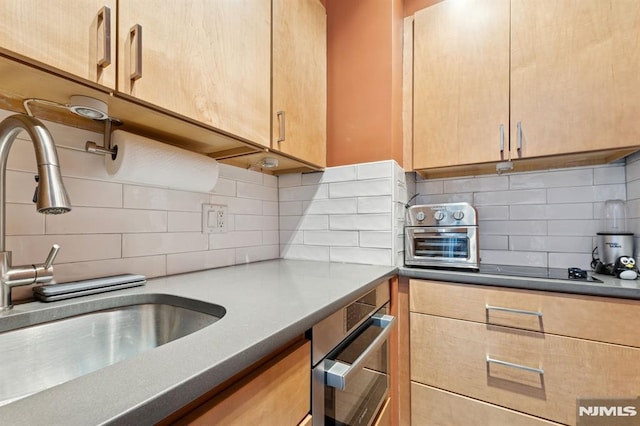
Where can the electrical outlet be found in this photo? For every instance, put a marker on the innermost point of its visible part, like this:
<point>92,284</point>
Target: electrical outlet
<point>214,218</point>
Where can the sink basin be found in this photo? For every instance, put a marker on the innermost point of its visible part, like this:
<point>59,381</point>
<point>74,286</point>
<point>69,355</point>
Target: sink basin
<point>59,344</point>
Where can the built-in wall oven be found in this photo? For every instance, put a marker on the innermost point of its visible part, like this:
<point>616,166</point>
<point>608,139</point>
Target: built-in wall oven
<point>350,356</point>
<point>442,235</point>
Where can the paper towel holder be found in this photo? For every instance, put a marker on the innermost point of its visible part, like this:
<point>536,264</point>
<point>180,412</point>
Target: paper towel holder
<point>105,148</point>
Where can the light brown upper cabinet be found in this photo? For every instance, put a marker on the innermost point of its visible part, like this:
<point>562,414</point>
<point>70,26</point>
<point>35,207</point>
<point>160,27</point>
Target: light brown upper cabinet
<point>461,83</point>
<point>300,79</point>
<point>206,60</point>
<point>557,78</point>
<point>575,75</point>
<point>75,36</point>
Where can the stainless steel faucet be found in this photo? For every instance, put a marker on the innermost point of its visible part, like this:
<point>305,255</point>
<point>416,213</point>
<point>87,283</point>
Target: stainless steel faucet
<point>51,198</point>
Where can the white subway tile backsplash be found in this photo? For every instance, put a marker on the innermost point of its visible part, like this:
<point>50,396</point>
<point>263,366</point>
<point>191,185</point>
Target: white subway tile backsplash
<point>163,243</point>
<point>479,184</point>
<point>304,252</point>
<point>445,198</point>
<point>249,223</point>
<point>330,206</point>
<point>381,169</point>
<point>240,175</point>
<point>504,257</point>
<point>83,192</point>
<point>142,197</point>
<point>270,181</point>
<point>493,212</point>
<point>427,187</point>
<point>552,179</point>
<point>561,260</point>
<point>257,192</point>
<point>365,222</point>
<point>552,211</point>
<point>88,220</point>
<point>29,249</point>
<point>573,227</point>
<point>331,238</point>
<point>493,242</point>
<point>195,261</point>
<point>362,255</point>
<point>23,219</point>
<point>184,222</point>
<point>526,196</point>
<point>270,223</point>
<point>235,239</point>
<point>149,266</point>
<point>378,239</point>
<point>270,208</point>
<point>586,194</point>
<point>304,223</point>
<point>225,187</point>
<point>304,193</point>
<point>290,208</point>
<point>363,188</point>
<point>512,227</point>
<point>291,237</point>
<point>289,180</point>
<point>270,238</point>
<point>332,174</point>
<point>381,204</point>
<point>613,174</point>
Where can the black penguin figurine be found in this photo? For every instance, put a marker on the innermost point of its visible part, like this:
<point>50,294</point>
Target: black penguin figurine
<point>625,268</point>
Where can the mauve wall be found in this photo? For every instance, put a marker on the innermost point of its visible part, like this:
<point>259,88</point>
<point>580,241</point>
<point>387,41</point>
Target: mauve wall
<point>546,218</point>
<point>118,227</point>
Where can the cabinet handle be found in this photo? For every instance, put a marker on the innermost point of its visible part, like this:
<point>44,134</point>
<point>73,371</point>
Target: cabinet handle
<point>513,311</point>
<point>501,141</point>
<point>104,19</point>
<point>512,365</point>
<point>519,138</point>
<point>135,35</point>
<point>281,120</point>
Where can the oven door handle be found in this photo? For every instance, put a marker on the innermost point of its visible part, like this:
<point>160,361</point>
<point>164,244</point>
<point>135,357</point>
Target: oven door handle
<point>439,231</point>
<point>337,373</point>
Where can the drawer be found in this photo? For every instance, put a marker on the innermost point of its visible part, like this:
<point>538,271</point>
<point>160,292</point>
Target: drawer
<point>435,407</point>
<point>587,317</point>
<point>452,354</point>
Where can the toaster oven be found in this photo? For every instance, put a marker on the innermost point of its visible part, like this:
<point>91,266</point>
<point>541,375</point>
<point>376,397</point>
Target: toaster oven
<point>442,235</point>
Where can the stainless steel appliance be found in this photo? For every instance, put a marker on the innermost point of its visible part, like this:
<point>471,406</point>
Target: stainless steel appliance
<point>442,235</point>
<point>350,357</point>
<point>613,239</point>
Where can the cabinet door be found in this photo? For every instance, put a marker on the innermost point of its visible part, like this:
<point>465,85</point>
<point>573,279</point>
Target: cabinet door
<point>299,79</point>
<point>75,36</point>
<point>461,83</point>
<point>575,84</point>
<point>206,60</point>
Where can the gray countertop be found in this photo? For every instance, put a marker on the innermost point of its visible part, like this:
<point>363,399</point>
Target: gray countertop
<point>610,287</point>
<point>268,304</point>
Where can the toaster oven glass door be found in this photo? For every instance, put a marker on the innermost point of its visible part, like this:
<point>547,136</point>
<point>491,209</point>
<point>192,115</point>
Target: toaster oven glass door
<point>445,245</point>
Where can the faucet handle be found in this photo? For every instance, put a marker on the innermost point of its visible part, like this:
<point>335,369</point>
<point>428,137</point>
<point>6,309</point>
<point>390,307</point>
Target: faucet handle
<point>52,256</point>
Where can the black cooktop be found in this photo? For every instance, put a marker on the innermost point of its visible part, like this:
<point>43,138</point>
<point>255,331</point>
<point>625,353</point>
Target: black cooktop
<point>537,272</point>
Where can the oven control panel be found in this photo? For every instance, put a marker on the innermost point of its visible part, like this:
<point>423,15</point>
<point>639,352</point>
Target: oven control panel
<point>446,214</point>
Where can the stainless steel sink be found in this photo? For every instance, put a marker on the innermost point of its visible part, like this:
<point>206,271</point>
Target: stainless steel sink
<point>45,348</point>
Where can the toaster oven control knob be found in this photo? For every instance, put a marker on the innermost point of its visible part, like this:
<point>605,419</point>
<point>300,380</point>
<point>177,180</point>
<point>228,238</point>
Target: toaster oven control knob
<point>420,216</point>
<point>439,215</point>
<point>458,215</point>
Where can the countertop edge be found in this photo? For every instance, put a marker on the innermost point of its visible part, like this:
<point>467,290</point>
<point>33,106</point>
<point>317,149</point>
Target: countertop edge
<point>611,287</point>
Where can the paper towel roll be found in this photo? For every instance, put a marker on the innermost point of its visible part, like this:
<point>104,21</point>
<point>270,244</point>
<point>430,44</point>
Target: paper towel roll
<point>143,160</point>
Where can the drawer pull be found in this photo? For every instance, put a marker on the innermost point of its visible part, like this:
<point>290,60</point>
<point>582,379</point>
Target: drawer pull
<point>512,365</point>
<point>513,311</point>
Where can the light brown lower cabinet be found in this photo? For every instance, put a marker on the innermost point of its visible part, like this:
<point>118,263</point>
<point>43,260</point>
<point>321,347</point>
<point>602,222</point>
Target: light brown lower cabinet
<point>436,407</point>
<point>469,367</point>
<point>384,416</point>
<point>275,394</point>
